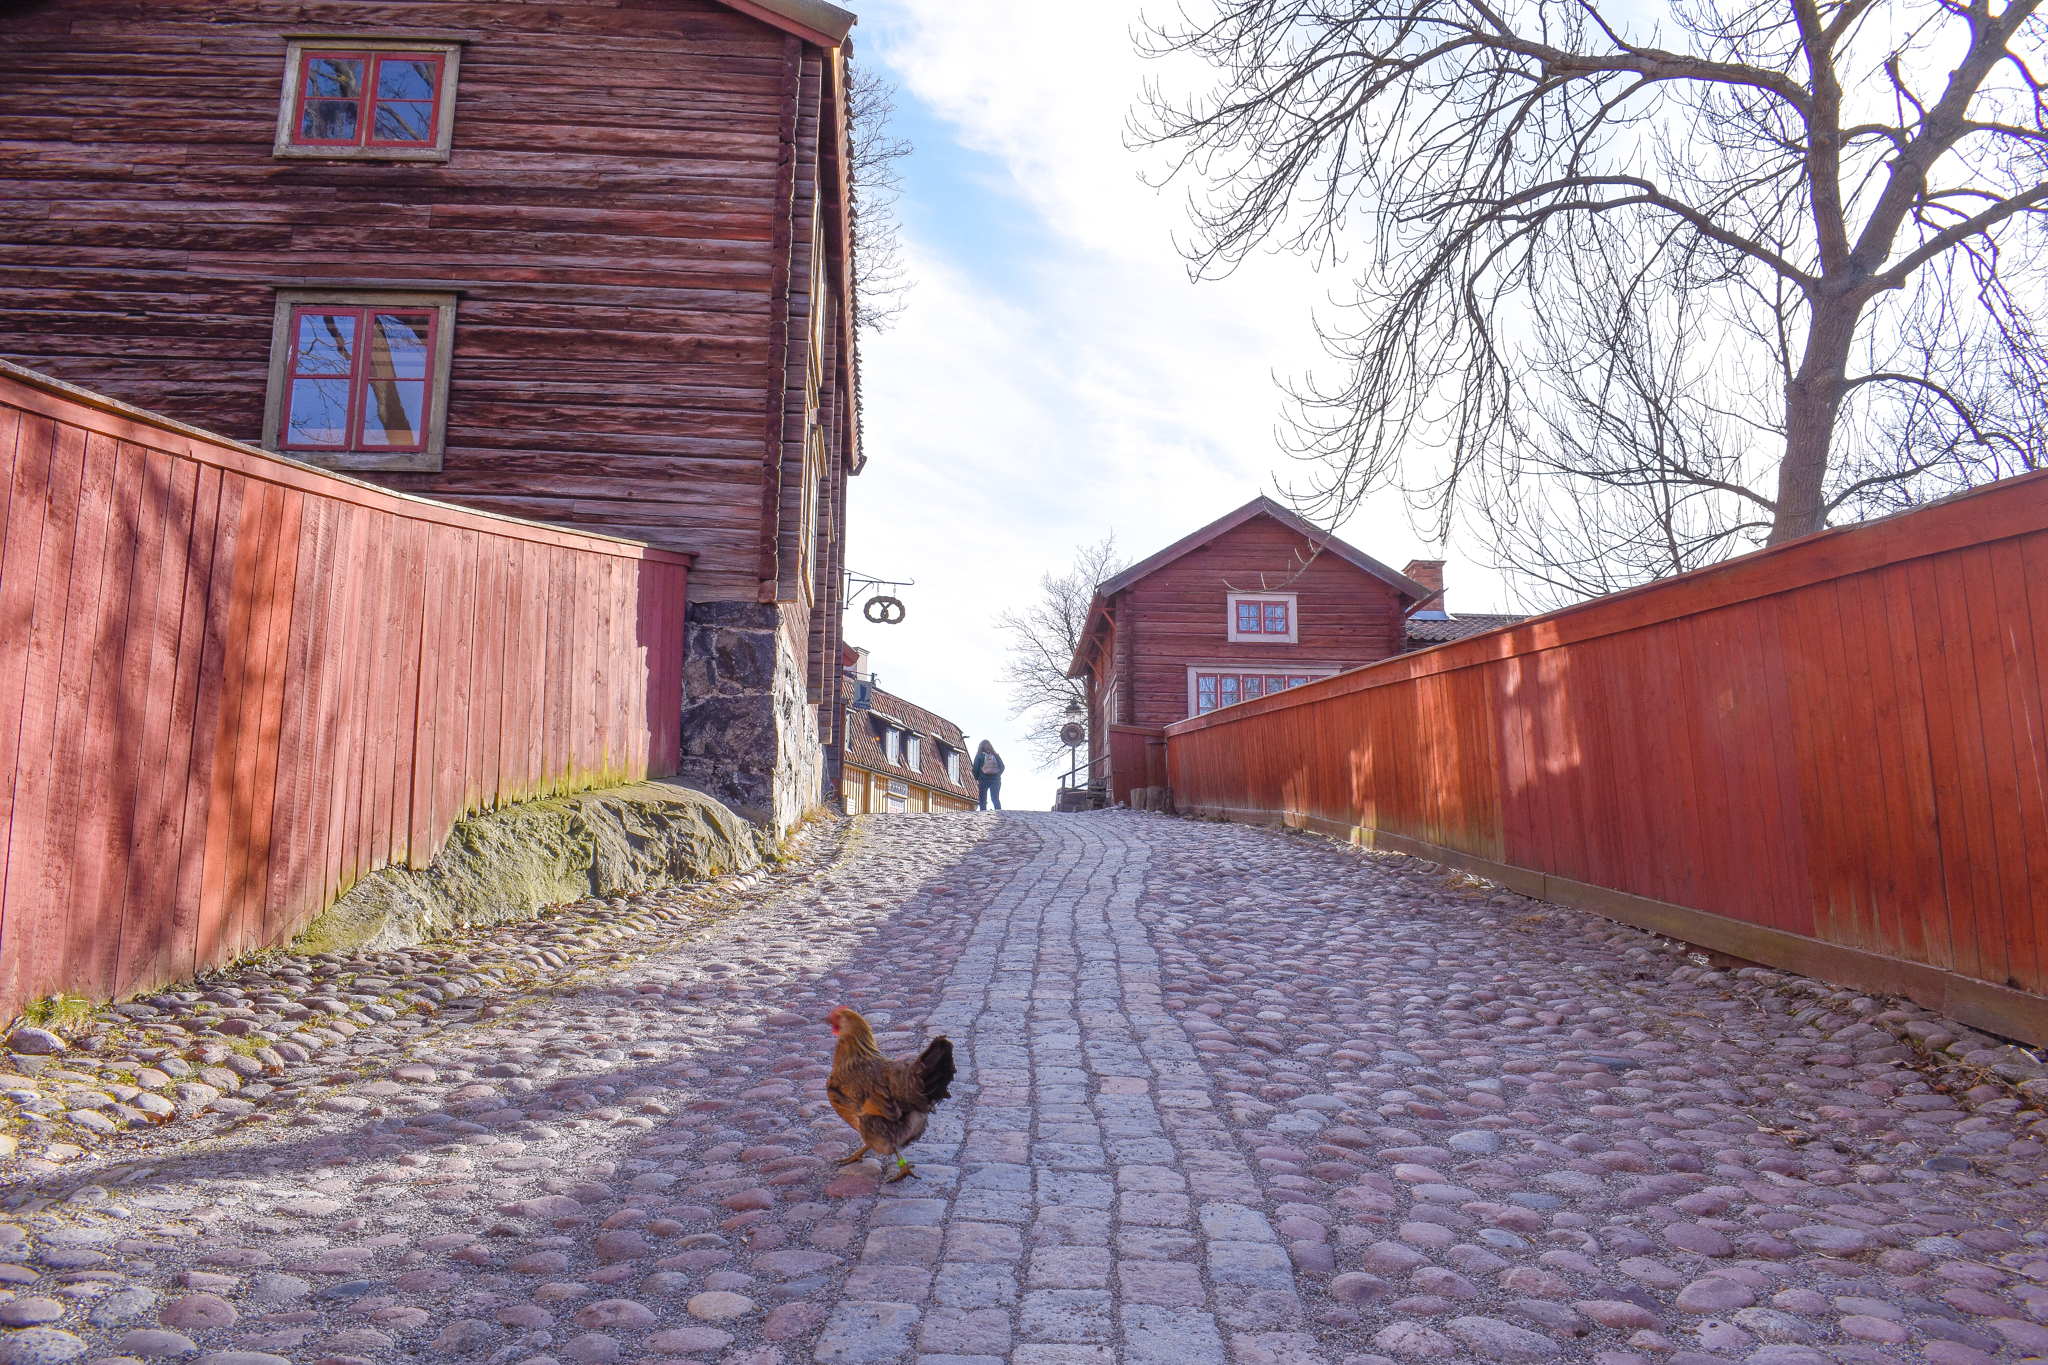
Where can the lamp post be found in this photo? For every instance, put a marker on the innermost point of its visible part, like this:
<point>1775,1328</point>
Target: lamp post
<point>1072,733</point>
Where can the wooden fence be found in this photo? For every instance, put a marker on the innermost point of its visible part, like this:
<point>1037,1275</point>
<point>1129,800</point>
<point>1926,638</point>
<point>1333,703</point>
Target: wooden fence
<point>1831,756</point>
<point>232,685</point>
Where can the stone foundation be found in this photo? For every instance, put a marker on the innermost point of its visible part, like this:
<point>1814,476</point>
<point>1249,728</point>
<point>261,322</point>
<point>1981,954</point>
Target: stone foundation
<point>749,737</point>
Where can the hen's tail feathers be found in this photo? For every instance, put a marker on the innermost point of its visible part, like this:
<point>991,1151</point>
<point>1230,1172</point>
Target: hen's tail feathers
<point>935,1068</point>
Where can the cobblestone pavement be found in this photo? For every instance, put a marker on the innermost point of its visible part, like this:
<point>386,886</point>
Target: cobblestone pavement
<point>1226,1095</point>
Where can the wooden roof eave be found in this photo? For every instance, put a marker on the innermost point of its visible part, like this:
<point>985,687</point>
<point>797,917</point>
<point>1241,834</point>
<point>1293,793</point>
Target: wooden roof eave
<point>1257,507</point>
<point>814,21</point>
<point>1092,632</point>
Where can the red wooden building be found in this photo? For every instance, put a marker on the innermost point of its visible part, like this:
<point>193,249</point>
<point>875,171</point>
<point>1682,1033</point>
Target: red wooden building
<point>585,262</point>
<point>1254,603</point>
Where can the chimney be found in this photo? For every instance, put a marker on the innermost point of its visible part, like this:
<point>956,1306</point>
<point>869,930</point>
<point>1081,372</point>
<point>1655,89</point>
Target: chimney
<point>860,662</point>
<point>1430,574</point>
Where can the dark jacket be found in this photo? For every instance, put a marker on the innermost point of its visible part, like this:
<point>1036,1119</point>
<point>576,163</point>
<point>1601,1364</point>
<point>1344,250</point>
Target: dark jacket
<point>992,770</point>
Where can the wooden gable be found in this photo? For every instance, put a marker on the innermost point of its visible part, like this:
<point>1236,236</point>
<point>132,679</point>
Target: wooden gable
<point>1169,614</point>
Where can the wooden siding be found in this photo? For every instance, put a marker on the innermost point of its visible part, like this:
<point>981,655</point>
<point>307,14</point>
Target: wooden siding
<point>1176,617</point>
<point>1829,756</point>
<point>616,212</point>
<point>231,686</point>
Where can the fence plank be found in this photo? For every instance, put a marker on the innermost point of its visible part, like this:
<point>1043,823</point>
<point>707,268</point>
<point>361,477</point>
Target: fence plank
<point>231,686</point>
<point>1834,752</point>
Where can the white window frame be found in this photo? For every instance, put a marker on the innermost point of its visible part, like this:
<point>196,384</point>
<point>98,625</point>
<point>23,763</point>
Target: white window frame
<point>275,398</point>
<point>1313,672</point>
<point>892,744</point>
<point>296,47</point>
<point>913,751</point>
<point>953,766</point>
<point>1293,635</point>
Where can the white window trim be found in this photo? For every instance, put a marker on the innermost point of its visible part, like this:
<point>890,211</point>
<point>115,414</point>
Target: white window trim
<point>1243,666</point>
<point>1293,635</point>
<point>281,343</point>
<point>913,751</point>
<point>892,745</point>
<point>295,49</point>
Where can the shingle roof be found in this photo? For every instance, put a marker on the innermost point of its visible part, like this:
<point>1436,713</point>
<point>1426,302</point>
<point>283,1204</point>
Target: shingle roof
<point>1442,630</point>
<point>865,748</point>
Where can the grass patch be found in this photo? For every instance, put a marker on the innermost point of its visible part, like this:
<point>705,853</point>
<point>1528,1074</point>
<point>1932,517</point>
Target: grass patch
<point>59,1013</point>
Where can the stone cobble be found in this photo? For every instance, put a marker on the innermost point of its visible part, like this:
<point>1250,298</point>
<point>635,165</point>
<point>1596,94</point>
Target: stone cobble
<point>1225,1096</point>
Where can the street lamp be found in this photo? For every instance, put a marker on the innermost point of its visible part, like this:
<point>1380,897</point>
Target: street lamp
<point>1071,734</point>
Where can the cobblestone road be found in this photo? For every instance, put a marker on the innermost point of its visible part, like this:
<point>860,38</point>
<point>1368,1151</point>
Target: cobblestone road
<point>1225,1096</point>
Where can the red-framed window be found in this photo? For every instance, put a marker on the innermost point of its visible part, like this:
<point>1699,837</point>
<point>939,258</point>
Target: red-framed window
<point>368,99</point>
<point>1262,618</point>
<point>359,379</point>
<point>1213,690</point>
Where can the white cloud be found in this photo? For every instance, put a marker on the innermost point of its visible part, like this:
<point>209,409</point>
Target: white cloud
<point>1056,376</point>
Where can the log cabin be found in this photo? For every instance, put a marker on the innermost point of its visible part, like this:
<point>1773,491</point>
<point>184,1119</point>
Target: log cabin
<point>1255,602</point>
<point>587,263</point>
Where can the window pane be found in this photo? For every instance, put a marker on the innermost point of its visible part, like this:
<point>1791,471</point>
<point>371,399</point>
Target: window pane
<point>1252,687</point>
<point>1275,685</point>
<point>1247,618</point>
<point>327,343</point>
<point>406,78</point>
<point>403,121</point>
<point>329,121</point>
<point>394,412</point>
<point>398,345</point>
<point>1205,693</point>
<point>334,78</point>
<point>1276,618</point>
<point>331,100</point>
<point>1297,682</point>
<point>1226,690</point>
<point>319,415</point>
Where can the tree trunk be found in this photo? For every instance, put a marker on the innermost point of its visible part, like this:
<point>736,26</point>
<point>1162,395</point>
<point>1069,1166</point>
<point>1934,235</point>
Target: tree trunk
<point>1813,400</point>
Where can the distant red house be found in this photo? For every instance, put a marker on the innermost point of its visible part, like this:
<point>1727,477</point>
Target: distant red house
<point>1254,603</point>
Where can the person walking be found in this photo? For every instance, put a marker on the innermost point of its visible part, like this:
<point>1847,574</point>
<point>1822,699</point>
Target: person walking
<point>988,775</point>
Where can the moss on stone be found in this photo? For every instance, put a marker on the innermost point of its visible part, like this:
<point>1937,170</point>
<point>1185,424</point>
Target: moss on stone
<point>513,862</point>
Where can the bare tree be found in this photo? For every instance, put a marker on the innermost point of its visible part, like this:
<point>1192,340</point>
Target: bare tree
<point>1639,306</point>
<point>1043,638</point>
<point>881,284</point>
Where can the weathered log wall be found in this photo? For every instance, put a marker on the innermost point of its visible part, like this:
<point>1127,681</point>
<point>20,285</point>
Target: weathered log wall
<point>617,213</point>
<point>232,685</point>
<point>1830,756</point>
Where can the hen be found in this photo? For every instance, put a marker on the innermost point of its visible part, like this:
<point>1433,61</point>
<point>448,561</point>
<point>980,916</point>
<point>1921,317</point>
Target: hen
<point>884,1099</point>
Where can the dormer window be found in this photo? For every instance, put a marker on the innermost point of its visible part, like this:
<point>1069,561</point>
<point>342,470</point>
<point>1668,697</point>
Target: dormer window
<point>1262,619</point>
<point>953,766</point>
<point>374,99</point>
<point>914,751</point>
<point>892,744</point>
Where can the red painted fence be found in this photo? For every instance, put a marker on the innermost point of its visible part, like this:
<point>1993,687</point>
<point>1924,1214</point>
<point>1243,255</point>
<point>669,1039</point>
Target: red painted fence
<point>1831,756</point>
<point>232,685</point>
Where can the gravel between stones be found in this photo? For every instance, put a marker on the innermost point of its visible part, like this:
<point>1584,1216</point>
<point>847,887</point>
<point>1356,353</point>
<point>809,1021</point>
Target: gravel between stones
<point>1225,1095</point>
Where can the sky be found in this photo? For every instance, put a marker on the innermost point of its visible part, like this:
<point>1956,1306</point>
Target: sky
<point>1056,377</point>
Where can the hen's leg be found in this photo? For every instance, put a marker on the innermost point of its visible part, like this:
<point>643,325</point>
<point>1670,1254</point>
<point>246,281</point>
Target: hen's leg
<point>855,1155</point>
<point>903,1169</point>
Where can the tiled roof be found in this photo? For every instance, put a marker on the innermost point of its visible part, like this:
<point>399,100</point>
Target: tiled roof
<point>865,747</point>
<point>1440,631</point>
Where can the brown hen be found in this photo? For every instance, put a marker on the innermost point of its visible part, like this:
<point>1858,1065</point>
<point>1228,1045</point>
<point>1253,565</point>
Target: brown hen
<point>885,1100</point>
